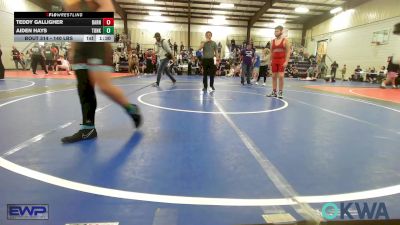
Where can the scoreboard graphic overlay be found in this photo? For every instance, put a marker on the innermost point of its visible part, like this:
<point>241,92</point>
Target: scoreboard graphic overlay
<point>64,27</point>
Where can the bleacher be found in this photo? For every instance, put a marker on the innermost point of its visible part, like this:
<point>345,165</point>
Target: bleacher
<point>302,67</point>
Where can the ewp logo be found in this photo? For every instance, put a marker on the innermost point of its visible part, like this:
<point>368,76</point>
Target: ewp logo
<point>378,210</point>
<point>27,212</point>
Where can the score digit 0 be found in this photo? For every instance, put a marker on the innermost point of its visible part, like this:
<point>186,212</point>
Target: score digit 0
<point>108,30</point>
<point>108,21</point>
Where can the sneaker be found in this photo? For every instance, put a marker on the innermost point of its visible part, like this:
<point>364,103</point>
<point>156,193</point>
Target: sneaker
<point>155,85</point>
<point>264,84</point>
<point>383,85</point>
<point>84,134</point>
<point>280,94</point>
<point>136,116</point>
<point>174,83</point>
<point>204,89</point>
<point>213,88</point>
<point>256,83</point>
<point>395,87</point>
<point>273,94</point>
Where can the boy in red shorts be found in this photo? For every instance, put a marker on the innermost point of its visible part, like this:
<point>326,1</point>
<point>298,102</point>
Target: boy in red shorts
<point>280,53</point>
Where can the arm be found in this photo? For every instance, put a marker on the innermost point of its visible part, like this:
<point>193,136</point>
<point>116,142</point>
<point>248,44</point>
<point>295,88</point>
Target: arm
<point>287,44</point>
<point>201,46</point>
<point>270,57</point>
<point>216,51</point>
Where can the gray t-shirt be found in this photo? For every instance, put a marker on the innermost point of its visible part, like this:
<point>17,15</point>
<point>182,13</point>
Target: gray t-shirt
<point>208,49</point>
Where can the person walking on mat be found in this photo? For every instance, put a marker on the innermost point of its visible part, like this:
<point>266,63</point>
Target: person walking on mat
<point>164,55</point>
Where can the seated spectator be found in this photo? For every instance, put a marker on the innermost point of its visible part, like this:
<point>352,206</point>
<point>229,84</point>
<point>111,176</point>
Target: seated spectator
<point>64,65</point>
<point>120,46</point>
<point>383,71</point>
<point>357,74</point>
<point>311,72</point>
<point>371,75</point>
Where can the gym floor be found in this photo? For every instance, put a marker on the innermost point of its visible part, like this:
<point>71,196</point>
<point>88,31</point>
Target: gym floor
<point>224,157</point>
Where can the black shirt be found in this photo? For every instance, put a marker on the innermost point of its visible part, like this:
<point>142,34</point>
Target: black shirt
<point>392,67</point>
<point>1,62</point>
<point>15,54</point>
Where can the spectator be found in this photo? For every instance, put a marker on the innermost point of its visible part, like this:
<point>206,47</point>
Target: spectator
<point>133,63</point>
<point>371,75</point>
<point>175,48</point>
<point>383,71</point>
<point>116,61</point>
<point>334,67</point>
<point>343,70</point>
<point>357,74</point>
<point>1,66</point>
<point>138,47</point>
<point>120,46</point>
<point>182,46</point>
<point>28,57</point>
<point>265,59</point>
<point>16,58</point>
<point>268,45</point>
<point>170,44</point>
<point>248,59</point>
<point>311,72</point>
<point>219,47</point>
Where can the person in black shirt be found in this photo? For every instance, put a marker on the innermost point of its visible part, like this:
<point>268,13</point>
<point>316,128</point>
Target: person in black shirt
<point>334,67</point>
<point>38,57</point>
<point>137,47</point>
<point>175,48</point>
<point>182,47</point>
<point>392,74</point>
<point>1,66</point>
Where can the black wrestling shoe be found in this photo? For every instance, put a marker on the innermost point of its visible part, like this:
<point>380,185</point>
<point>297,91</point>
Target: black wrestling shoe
<point>136,116</point>
<point>84,134</point>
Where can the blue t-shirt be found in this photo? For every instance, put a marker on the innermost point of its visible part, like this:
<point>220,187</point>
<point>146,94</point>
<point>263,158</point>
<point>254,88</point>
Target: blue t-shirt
<point>199,54</point>
<point>258,61</point>
<point>247,56</point>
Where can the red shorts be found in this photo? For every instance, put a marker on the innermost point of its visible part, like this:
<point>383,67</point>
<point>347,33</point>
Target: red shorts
<point>277,67</point>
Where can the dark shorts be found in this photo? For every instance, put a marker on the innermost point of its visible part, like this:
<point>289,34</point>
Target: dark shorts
<point>92,56</point>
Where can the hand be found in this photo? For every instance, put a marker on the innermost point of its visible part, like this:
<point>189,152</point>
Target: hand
<point>285,64</point>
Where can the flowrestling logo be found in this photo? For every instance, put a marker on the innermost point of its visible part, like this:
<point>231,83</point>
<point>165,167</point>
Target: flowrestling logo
<point>349,210</point>
<point>27,211</point>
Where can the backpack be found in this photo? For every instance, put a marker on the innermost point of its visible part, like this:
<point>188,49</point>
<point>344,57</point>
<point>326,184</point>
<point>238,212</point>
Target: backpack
<point>168,55</point>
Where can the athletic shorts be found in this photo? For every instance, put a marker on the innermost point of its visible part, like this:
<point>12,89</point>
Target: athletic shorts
<point>277,67</point>
<point>92,56</point>
<point>392,75</point>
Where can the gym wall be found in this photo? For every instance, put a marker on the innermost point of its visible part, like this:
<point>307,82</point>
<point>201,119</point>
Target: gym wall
<point>7,9</point>
<point>349,35</point>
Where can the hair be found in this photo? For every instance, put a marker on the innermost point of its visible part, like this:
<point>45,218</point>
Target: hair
<point>208,32</point>
<point>279,28</point>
